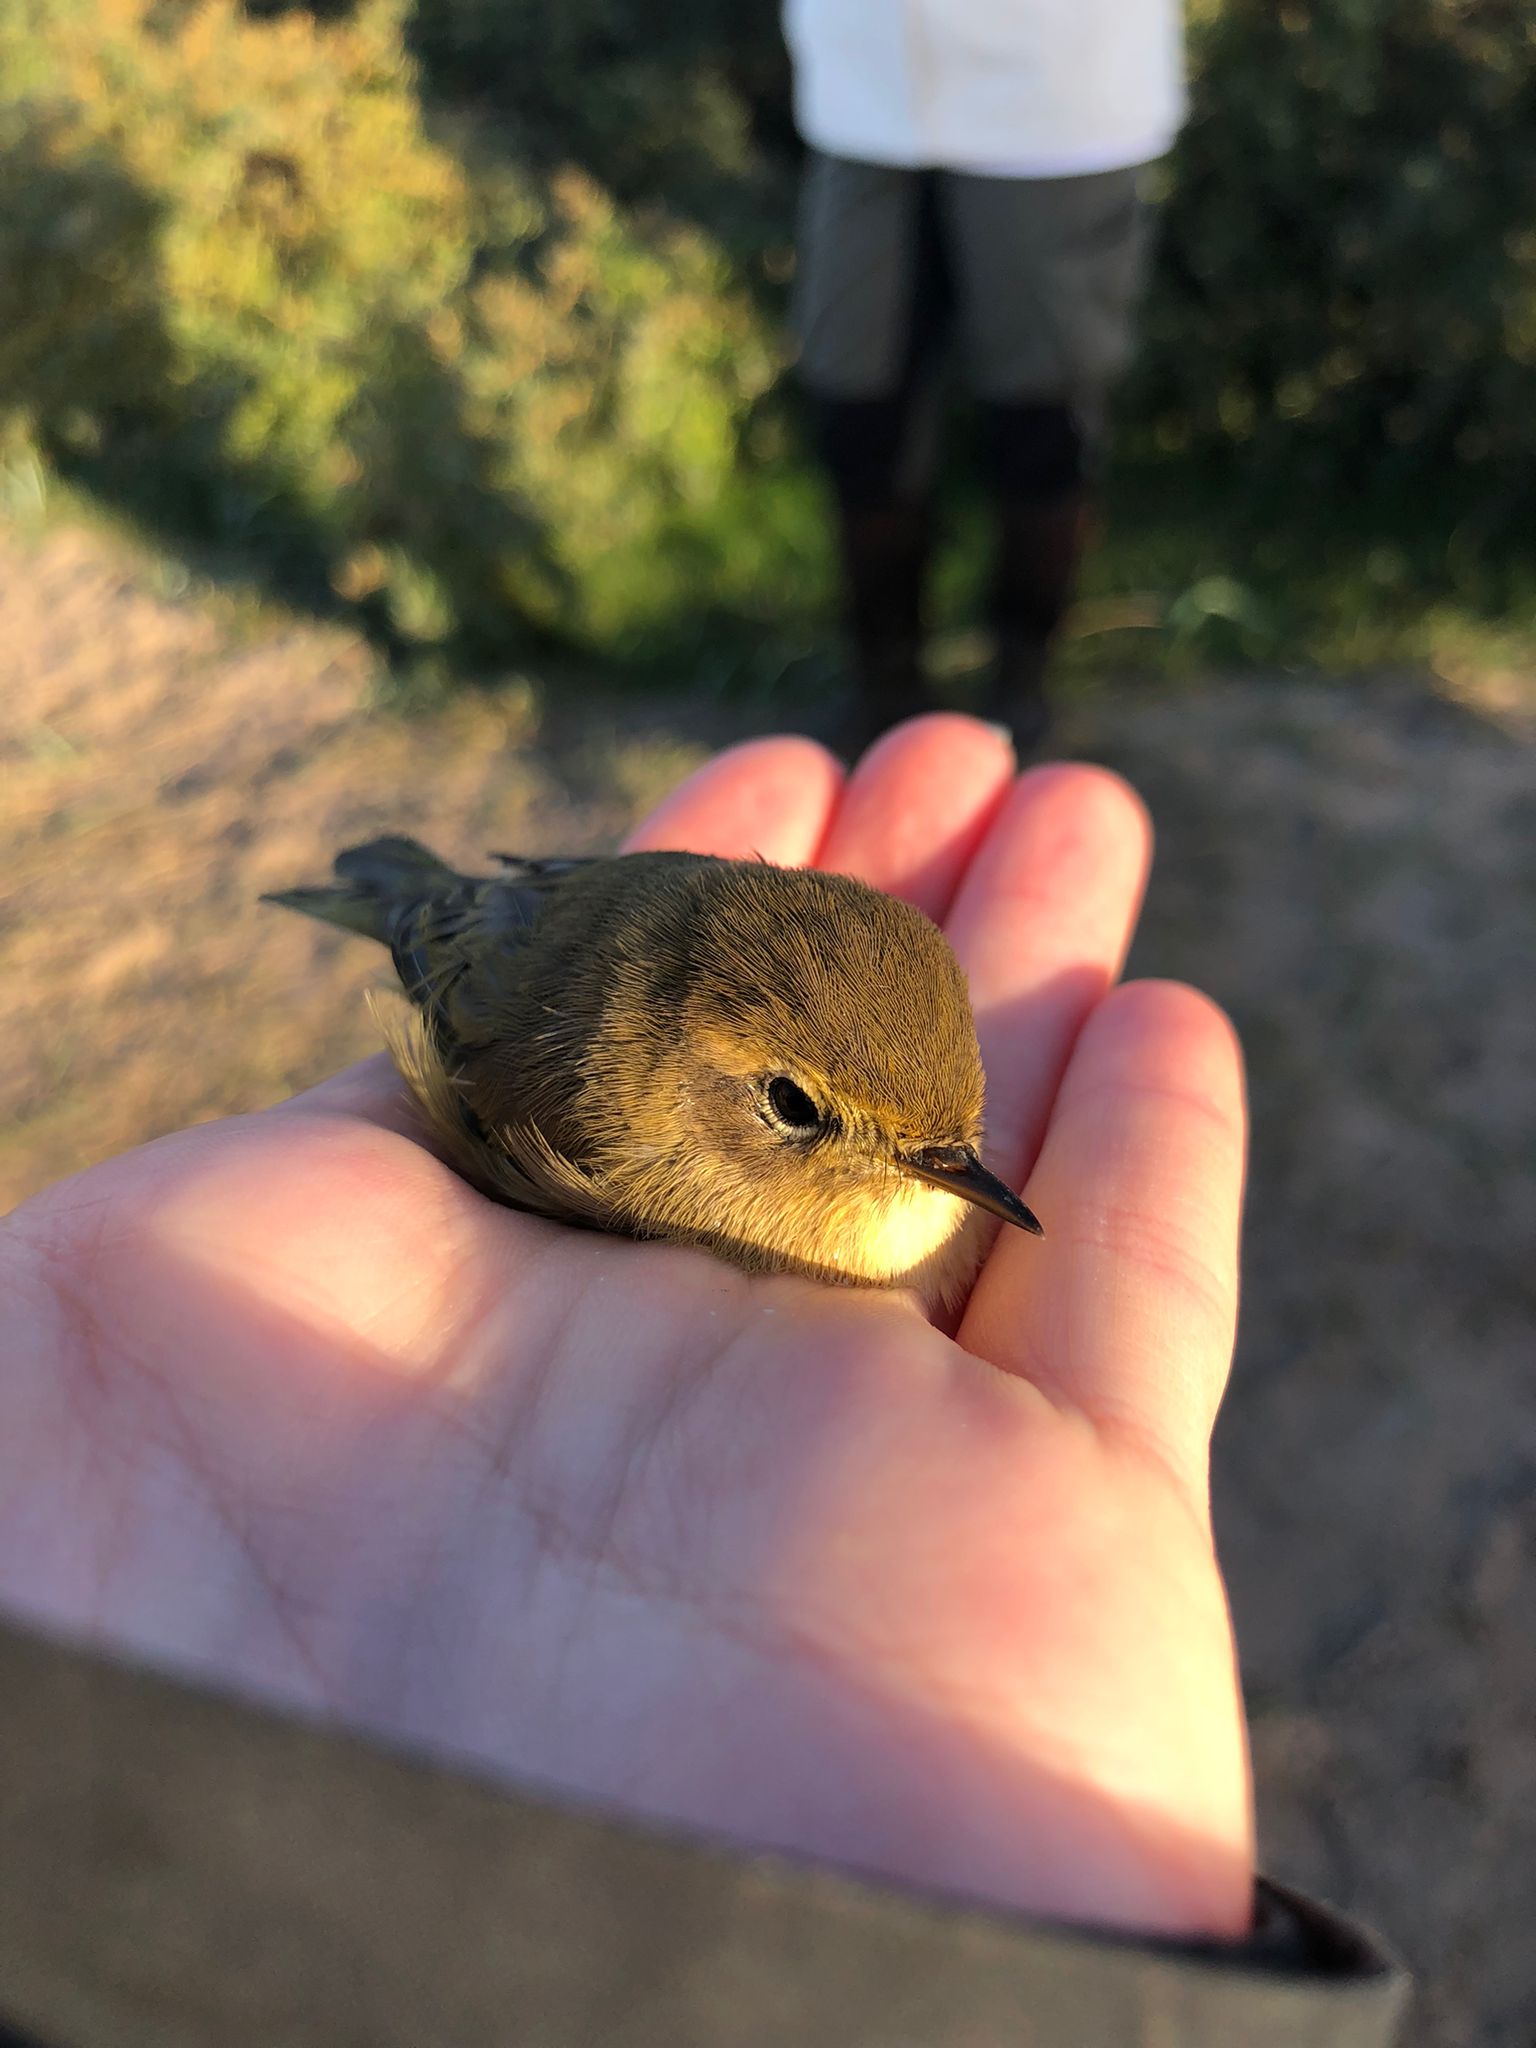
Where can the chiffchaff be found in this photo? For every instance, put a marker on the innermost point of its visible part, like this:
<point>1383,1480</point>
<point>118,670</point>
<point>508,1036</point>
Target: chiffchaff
<point>774,1063</point>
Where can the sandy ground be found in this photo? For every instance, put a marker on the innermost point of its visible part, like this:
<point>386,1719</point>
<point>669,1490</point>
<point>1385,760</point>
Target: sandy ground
<point>1351,870</point>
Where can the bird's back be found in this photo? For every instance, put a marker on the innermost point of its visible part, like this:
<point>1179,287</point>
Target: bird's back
<point>514,973</point>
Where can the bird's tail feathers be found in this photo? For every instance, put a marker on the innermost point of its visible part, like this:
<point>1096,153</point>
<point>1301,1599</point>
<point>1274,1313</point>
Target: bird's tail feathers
<point>394,866</point>
<point>372,883</point>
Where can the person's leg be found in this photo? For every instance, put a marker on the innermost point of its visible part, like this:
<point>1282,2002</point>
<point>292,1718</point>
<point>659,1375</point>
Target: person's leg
<point>1037,473</point>
<point>869,314</point>
<point>1048,275</point>
<point>884,534</point>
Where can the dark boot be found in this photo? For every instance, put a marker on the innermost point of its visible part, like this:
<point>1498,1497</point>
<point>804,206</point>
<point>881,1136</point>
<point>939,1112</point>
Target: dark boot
<point>1039,548</point>
<point>885,559</point>
<point>889,684</point>
<point>1015,695</point>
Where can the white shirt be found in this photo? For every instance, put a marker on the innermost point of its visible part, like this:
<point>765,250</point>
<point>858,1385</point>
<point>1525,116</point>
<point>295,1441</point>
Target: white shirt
<point>1011,88</point>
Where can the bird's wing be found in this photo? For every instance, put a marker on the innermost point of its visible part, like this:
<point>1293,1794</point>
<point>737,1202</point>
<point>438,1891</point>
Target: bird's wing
<point>514,1164</point>
<point>439,939</point>
<point>541,874</point>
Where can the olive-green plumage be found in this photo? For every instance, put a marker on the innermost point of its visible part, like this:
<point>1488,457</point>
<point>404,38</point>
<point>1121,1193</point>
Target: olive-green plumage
<point>776,1063</point>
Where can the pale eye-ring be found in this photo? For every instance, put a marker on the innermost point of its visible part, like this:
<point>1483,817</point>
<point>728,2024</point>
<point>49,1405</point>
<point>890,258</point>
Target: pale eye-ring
<point>791,1106</point>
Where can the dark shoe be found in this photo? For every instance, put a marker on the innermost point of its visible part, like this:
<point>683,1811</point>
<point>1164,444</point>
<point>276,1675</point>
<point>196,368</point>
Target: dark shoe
<point>1015,696</point>
<point>889,685</point>
<point>1039,546</point>
<point>884,543</point>
<point>1034,572</point>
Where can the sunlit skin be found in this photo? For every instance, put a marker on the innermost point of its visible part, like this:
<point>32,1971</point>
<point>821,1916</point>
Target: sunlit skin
<point>288,1406</point>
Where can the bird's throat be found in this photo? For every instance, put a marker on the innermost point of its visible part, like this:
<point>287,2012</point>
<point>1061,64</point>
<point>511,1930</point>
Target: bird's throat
<point>900,1232</point>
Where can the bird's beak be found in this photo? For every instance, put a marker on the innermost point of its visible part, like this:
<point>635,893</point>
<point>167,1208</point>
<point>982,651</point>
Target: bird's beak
<point>957,1168</point>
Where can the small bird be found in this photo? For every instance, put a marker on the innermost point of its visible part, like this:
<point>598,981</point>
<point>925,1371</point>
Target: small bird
<point>777,1064</point>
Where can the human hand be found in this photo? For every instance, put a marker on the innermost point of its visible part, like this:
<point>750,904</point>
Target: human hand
<point>288,1407</point>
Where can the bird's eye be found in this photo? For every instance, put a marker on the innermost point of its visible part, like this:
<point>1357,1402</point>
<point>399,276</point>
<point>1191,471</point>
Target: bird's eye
<point>791,1105</point>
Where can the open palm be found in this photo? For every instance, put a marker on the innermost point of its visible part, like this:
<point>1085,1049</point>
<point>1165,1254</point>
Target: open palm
<point>290,1407</point>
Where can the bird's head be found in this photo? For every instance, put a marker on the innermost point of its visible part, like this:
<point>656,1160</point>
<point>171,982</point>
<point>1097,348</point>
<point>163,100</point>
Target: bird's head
<point>824,1081</point>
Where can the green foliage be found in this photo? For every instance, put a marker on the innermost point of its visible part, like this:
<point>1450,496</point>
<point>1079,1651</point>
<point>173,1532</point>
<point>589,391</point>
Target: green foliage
<point>466,316</point>
<point>258,292</point>
<point>689,102</point>
<point>1346,301</point>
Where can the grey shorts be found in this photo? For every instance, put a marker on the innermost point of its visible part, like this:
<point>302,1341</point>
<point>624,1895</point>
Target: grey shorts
<point>1039,278</point>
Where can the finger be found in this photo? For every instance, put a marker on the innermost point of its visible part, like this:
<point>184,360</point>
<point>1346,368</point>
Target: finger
<point>368,1088</point>
<point>371,1090</point>
<point>917,806</point>
<point>1127,1310</point>
<point>771,798</point>
<point>1041,924</point>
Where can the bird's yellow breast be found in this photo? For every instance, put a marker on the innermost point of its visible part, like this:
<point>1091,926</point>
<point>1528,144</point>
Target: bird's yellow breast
<point>883,1230</point>
<point>917,1236</point>
<point>899,1232</point>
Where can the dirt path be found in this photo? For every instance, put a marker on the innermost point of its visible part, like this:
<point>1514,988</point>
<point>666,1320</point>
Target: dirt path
<point>162,766</point>
<point>1350,871</point>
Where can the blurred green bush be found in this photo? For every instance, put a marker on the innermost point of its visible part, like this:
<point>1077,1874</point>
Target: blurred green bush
<point>1346,297</point>
<point>255,294</point>
<point>468,318</point>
